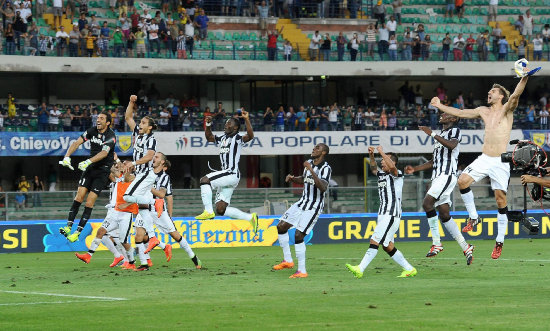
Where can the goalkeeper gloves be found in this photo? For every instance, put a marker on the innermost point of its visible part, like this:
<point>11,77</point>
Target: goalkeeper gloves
<point>66,162</point>
<point>84,164</point>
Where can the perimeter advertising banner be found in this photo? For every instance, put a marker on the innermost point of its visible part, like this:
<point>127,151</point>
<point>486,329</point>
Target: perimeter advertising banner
<point>264,143</point>
<point>539,137</point>
<point>52,144</point>
<point>43,236</point>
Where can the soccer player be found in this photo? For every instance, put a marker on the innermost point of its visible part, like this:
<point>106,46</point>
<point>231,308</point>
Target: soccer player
<point>95,171</point>
<point>498,117</point>
<point>164,223</point>
<point>139,190</point>
<point>112,221</point>
<point>304,213</point>
<point>225,180</point>
<point>390,190</point>
<point>444,165</point>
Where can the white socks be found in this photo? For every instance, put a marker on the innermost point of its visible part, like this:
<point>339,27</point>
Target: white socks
<point>237,214</point>
<point>434,227</point>
<point>185,245</point>
<point>94,245</point>
<point>453,229</point>
<point>400,259</point>
<point>502,226</point>
<point>120,248</point>
<point>283,242</point>
<point>369,256</point>
<point>301,256</point>
<point>206,196</point>
<point>468,199</point>
<point>141,252</point>
<point>130,253</point>
<point>110,246</point>
<point>161,244</point>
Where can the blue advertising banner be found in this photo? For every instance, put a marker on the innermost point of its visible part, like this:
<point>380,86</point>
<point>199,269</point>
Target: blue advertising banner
<point>43,236</point>
<point>52,144</point>
<point>539,137</point>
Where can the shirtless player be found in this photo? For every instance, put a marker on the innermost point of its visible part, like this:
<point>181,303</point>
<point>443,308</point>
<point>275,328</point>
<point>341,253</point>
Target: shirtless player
<point>498,117</point>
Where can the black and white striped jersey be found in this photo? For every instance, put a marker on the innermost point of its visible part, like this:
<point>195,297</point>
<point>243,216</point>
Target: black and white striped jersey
<point>312,197</point>
<point>446,160</point>
<point>163,182</point>
<point>390,191</point>
<point>230,151</point>
<point>142,144</point>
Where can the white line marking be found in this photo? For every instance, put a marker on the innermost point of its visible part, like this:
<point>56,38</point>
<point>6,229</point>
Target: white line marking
<point>67,295</point>
<point>46,302</point>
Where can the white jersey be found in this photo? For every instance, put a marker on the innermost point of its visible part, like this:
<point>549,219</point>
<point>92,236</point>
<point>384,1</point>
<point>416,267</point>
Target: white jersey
<point>142,144</point>
<point>230,151</point>
<point>312,197</point>
<point>390,191</point>
<point>445,161</point>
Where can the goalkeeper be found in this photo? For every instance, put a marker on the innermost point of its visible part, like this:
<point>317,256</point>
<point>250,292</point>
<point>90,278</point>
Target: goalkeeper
<point>498,117</point>
<point>95,171</point>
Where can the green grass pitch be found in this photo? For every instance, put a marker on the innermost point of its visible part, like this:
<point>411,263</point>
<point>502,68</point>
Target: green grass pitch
<point>237,290</point>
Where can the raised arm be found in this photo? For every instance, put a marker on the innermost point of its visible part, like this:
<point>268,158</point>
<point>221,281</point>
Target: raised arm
<point>129,115</point>
<point>249,132</point>
<point>372,161</point>
<point>464,113</point>
<point>208,129</point>
<point>512,103</point>
<point>389,161</point>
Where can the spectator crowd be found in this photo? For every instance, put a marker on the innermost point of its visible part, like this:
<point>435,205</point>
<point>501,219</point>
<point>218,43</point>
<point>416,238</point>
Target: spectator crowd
<point>409,111</point>
<point>172,31</point>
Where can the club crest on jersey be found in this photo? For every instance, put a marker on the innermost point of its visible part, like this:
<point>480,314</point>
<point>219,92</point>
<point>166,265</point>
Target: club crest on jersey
<point>125,142</point>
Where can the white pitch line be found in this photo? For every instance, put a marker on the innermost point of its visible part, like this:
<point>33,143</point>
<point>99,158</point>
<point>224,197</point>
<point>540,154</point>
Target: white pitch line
<point>47,302</point>
<point>67,295</point>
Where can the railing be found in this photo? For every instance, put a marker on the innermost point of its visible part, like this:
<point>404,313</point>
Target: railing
<point>55,205</point>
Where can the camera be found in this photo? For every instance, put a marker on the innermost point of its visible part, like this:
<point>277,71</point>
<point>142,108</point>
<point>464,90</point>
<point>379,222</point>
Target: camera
<point>525,156</point>
<point>529,159</point>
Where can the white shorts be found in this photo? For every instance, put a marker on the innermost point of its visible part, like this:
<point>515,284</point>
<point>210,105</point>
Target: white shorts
<point>441,189</point>
<point>302,220</point>
<point>144,220</point>
<point>224,181</point>
<point>484,166</point>
<point>386,227</point>
<point>142,184</point>
<point>113,220</point>
<point>125,227</point>
<point>164,224</point>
